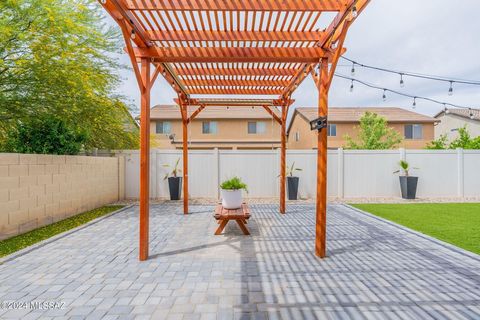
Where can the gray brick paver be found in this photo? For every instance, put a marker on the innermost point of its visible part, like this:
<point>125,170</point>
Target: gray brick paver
<point>373,270</point>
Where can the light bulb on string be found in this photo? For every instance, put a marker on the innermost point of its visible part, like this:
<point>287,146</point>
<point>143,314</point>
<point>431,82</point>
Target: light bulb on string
<point>384,97</point>
<point>471,114</point>
<point>402,83</point>
<point>351,87</point>
<point>103,1</point>
<point>353,70</point>
<point>132,36</point>
<point>450,90</point>
<point>445,109</point>
<point>354,12</point>
<point>414,104</point>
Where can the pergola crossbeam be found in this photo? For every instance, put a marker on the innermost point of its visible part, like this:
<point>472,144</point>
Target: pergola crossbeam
<point>235,5</point>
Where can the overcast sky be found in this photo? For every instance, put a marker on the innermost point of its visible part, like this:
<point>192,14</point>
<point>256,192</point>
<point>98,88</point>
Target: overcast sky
<point>439,37</point>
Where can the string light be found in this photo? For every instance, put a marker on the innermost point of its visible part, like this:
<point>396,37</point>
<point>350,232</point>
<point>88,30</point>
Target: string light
<point>384,97</point>
<point>402,83</point>
<point>354,12</point>
<point>413,74</point>
<point>164,73</point>
<point>103,1</point>
<point>446,109</point>
<point>450,90</point>
<point>415,98</point>
<point>471,114</point>
<point>414,104</point>
<point>353,69</point>
<point>132,36</point>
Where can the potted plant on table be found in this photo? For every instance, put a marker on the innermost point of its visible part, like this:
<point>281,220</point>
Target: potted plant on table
<point>174,182</point>
<point>408,184</point>
<point>292,182</point>
<point>232,193</point>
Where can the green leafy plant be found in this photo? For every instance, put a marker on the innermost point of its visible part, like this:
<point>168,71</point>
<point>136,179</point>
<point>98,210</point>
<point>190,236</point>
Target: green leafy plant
<point>464,141</point>
<point>234,183</point>
<point>291,169</point>
<point>175,170</point>
<point>405,167</point>
<point>45,135</point>
<point>374,134</point>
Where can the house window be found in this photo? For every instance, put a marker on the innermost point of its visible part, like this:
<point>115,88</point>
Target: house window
<point>297,136</point>
<point>413,131</point>
<point>209,127</point>
<point>332,130</point>
<point>163,127</point>
<point>256,127</point>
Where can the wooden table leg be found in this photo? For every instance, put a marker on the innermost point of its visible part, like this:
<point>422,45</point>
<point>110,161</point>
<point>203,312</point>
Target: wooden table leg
<point>221,227</point>
<point>243,227</point>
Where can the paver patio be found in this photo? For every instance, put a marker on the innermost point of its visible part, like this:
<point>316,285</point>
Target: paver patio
<point>374,270</point>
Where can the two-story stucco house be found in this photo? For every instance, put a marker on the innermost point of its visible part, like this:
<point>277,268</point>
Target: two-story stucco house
<point>216,127</point>
<point>454,119</point>
<point>416,129</point>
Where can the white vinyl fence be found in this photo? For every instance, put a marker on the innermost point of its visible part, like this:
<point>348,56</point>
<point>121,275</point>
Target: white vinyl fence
<point>351,173</point>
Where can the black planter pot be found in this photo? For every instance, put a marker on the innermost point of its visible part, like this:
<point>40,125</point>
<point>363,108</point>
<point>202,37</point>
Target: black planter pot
<point>175,187</point>
<point>408,185</point>
<point>292,187</point>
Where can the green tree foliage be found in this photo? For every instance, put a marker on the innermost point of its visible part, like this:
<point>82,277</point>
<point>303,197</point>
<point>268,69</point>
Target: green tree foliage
<point>56,60</point>
<point>374,134</point>
<point>45,135</point>
<point>464,141</point>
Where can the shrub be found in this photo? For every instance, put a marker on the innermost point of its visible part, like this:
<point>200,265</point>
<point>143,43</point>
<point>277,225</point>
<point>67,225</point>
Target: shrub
<point>234,183</point>
<point>44,135</point>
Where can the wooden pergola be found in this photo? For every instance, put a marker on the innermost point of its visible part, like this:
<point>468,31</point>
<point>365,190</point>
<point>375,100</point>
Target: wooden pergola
<point>231,47</point>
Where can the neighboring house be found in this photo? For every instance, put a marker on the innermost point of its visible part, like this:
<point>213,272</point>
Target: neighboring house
<point>416,129</point>
<point>454,119</point>
<point>216,127</point>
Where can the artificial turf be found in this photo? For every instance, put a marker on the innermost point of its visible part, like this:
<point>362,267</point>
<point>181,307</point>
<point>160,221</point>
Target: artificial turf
<point>24,240</point>
<point>455,223</point>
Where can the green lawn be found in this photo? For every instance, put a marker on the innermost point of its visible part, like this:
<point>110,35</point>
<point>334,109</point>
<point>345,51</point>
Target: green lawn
<point>16,243</point>
<point>455,223</point>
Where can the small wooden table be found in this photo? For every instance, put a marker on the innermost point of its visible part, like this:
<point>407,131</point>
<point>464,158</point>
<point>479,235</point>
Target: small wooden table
<point>240,215</point>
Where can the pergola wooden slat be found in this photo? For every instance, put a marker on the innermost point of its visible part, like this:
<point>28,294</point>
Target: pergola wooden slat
<point>230,47</point>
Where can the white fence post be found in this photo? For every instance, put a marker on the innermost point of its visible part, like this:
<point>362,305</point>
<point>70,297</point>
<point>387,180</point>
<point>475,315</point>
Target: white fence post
<point>403,154</point>
<point>460,172</point>
<point>154,175</point>
<point>216,171</point>
<point>341,172</point>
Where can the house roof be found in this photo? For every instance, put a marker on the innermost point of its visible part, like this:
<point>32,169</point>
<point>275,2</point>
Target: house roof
<point>348,115</point>
<point>464,113</point>
<point>171,112</point>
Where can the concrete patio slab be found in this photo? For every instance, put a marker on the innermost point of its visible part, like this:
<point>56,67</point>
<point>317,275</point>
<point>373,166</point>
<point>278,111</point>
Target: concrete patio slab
<point>374,270</point>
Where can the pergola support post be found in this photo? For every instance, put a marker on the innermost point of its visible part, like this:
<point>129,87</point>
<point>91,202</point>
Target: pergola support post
<point>283,158</point>
<point>144,159</point>
<point>321,200</point>
<point>185,120</point>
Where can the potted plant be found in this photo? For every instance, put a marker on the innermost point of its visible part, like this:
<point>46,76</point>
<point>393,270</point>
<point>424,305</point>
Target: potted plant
<point>408,184</point>
<point>174,182</point>
<point>292,182</point>
<point>232,193</point>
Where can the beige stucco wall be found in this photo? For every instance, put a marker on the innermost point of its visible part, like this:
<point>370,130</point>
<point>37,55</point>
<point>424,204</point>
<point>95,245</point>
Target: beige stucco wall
<point>231,133</point>
<point>308,137</point>
<point>36,190</point>
<point>451,121</point>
